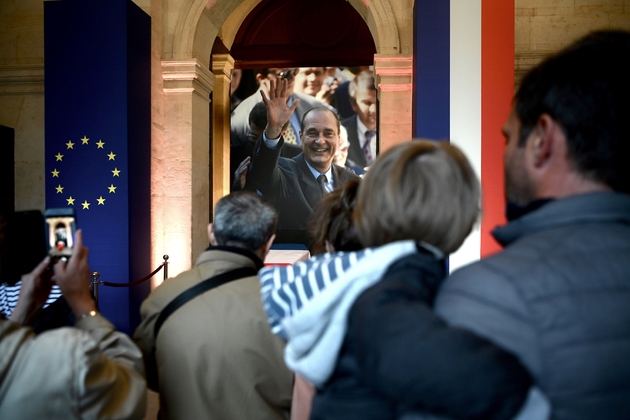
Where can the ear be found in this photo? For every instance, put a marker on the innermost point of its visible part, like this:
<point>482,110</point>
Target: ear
<point>211,237</point>
<point>353,104</point>
<point>267,246</point>
<point>543,145</point>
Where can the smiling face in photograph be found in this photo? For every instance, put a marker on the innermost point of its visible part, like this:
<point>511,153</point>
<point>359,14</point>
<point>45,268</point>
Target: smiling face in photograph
<point>320,138</point>
<point>310,80</point>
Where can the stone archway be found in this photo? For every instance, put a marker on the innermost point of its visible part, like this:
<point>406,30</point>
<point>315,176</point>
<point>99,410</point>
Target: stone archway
<point>181,196</point>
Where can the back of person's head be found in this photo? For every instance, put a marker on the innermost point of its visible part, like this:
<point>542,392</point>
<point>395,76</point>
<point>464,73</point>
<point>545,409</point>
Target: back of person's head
<point>586,89</point>
<point>244,219</point>
<point>421,190</point>
<point>258,117</point>
<point>332,221</point>
<point>362,81</point>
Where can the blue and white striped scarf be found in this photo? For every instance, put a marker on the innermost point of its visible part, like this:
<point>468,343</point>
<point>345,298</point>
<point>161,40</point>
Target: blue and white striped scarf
<point>307,304</point>
<point>9,296</point>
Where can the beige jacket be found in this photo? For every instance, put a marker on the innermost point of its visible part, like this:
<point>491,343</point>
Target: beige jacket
<point>216,357</point>
<point>87,372</point>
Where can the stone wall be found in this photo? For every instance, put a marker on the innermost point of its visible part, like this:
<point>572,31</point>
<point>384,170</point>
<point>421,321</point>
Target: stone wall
<point>544,26</point>
<point>22,95</point>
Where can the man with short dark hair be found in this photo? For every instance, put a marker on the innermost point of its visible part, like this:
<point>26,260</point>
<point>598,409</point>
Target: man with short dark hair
<point>361,127</point>
<point>214,356</point>
<point>558,295</point>
<point>295,186</point>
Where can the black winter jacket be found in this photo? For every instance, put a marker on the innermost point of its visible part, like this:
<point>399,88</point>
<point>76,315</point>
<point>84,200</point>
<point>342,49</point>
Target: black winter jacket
<point>398,356</point>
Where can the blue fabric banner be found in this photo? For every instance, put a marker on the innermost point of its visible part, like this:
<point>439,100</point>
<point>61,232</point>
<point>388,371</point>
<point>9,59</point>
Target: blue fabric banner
<point>97,158</point>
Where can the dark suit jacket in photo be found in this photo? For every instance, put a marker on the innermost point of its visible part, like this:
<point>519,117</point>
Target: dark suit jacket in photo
<point>291,187</point>
<point>355,152</point>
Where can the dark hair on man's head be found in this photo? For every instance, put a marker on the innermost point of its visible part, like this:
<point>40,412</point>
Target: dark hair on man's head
<point>363,80</point>
<point>586,89</point>
<point>332,221</point>
<point>320,109</point>
<point>421,190</point>
<point>258,116</point>
<point>262,72</point>
<point>244,219</point>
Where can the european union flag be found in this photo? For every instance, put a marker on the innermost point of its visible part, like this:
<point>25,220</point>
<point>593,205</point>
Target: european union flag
<point>87,177</point>
<point>98,122</point>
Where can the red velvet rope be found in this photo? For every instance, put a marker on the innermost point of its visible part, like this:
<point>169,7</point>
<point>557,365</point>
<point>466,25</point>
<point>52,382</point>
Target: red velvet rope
<point>133,283</point>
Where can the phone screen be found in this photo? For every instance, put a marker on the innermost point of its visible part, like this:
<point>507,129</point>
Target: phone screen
<point>60,230</point>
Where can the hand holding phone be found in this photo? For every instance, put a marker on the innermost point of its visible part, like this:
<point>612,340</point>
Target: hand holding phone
<point>73,279</point>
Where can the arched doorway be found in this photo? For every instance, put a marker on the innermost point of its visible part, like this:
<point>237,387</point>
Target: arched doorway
<point>280,34</point>
<point>191,71</point>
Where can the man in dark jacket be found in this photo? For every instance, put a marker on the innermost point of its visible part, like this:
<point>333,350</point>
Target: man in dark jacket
<point>362,126</point>
<point>296,186</point>
<point>558,296</point>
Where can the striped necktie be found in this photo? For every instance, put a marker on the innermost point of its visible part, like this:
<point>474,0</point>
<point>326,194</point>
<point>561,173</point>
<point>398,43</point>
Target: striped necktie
<point>367,150</point>
<point>322,180</point>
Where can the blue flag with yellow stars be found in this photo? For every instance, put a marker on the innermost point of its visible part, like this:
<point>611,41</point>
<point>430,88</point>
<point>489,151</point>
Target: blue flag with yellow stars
<point>98,122</point>
<point>87,176</point>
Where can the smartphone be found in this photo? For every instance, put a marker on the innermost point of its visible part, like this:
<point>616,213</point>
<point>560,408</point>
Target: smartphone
<point>329,81</point>
<point>61,227</point>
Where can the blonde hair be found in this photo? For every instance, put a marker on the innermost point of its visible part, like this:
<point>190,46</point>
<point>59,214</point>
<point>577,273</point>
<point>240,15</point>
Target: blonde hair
<point>422,190</point>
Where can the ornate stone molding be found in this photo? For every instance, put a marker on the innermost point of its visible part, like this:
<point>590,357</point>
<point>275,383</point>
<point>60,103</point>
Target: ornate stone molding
<point>393,72</point>
<point>22,80</point>
<point>222,65</point>
<point>393,80</point>
<point>188,76</point>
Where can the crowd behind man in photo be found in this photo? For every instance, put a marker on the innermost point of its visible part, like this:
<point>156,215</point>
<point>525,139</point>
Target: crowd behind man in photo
<point>362,130</point>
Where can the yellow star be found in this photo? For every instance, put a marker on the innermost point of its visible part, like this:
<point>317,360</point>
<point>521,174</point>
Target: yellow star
<point>84,140</point>
<point>70,145</point>
<point>111,155</point>
<point>86,205</point>
<point>100,144</point>
<point>59,157</point>
<point>59,189</point>
<point>112,189</point>
<point>101,201</point>
<point>116,171</point>
<point>70,201</point>
<point>55,173</point>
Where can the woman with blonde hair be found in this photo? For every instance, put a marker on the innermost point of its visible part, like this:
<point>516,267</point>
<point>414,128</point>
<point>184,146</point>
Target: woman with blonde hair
<point>360,325</point>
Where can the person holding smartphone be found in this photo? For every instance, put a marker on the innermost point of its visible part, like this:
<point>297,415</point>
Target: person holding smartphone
<point>86,371</point>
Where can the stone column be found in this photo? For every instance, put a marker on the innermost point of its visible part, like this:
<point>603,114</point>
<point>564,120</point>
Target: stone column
<point>393,76</point>
<point>183,170</point>
<point>222,65</point>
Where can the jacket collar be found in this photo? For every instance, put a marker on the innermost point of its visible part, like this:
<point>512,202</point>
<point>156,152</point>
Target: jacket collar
<point>596,207</point>
<point>258,264</point>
